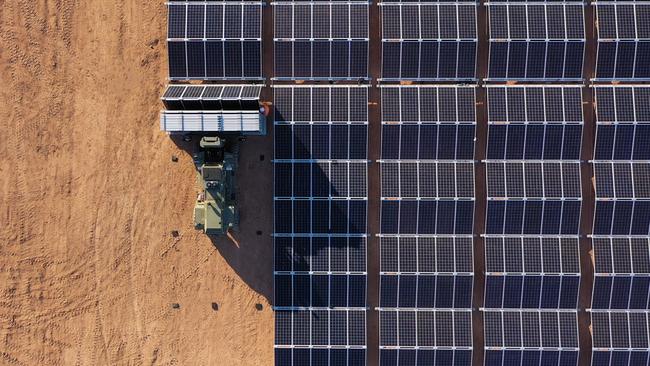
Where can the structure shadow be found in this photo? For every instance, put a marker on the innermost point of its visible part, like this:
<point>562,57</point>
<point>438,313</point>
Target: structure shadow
<point>249,249</point>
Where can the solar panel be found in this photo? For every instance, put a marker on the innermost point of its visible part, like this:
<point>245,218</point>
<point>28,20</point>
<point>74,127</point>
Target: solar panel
<point>530,337</point>
<point>533,171</point>
<point>427,216</point>
<point>319,41</point>
<point>620,338</point>
<point>532,257</point>
<point>214,40</point>
<point>620,166</point>
<point>623,41</point>
<point>212,97</point>
<point>621,251</point>
<point>536,41</point>
<point>441,335</point>
<point>427,41</point>
<point>320,213</point>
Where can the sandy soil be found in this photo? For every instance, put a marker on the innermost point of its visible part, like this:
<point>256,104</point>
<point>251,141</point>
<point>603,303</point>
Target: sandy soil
<point>89,197</point>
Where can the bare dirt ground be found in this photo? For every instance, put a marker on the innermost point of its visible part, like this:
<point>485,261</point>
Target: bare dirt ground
<point>89,196</point>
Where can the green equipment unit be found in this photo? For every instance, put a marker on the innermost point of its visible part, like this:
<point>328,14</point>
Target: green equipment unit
<point>215,211</point>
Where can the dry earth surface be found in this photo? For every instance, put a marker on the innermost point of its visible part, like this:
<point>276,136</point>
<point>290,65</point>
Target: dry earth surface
<point>89,197</point>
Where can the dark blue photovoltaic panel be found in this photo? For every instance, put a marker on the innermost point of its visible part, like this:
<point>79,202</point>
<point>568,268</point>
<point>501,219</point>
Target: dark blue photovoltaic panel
<point>622,218</point>
<point>428,41</point>
<point>320,254</point>
<point>429,60</point>
<point>199,41</point>
<point>621,293</point>
<point>608,358</point>
<point>334,291</point>
<point>427,217</point>
<point>426,291</point>
<point>531,292</point>
<point>324,357</point>
<point>532,217</point>
<point>321,142</point>
<point>534,141</point>
<point>530,357</point>
<point>320,213</point>
<point>435,142</point>
<point>321,41</point>
<point>425,357</point>
<point>623,41</point>
<point>622,142</point>
<point>320,328</point>
<point>320,216</point>
<point>536,60</point>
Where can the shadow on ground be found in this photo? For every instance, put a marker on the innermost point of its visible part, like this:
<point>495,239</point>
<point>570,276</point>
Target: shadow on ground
<point>250,250</point>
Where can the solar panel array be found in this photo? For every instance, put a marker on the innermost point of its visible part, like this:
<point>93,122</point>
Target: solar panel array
<point>320,214</point>
<point>429,41</point>
<point>214,40</point>
<point>621,291</point>
<point>623,40</point>
<point>532,259</point>
<point>321,40</point>
<point>536,41</point>
<point>427,214</point>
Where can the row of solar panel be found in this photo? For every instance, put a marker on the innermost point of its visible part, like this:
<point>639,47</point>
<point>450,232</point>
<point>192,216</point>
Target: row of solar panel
<point>307,216</point>
<point>542,104</point>
<point>320,291</point>
<point>202,36</point>
<point>431,141</point>
<point>533,180</point>
<point>428,104</point>
<point>621,255</point>
<point>425,328</point>
<point>232,59</point>
<point>426,291</point>
<point>444,217</point>
<point>620,330</point>
<point>606,358</point>
<point>320,104</point>
<point>319,254</point>
<point>531,329</point>
<point>426,254</point>
<point>622,180</point>
<point>425,357</point>
<point>530,357</point>
<point>428,21</point>
<point>622,218</point>
<point>533,255</point>
<point>319,180</point>
<point>216,20</point>
<point>320,21</point>
<point>621,292</point>
<point>321,142</point>
<point>534,142</point>
<point>531,292</point>
<point>427,179</point>
<point>622,142</point>
<point>533,217</point>
<point>320,213</point>
<point>320,356</point>
<point>320,328</point>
